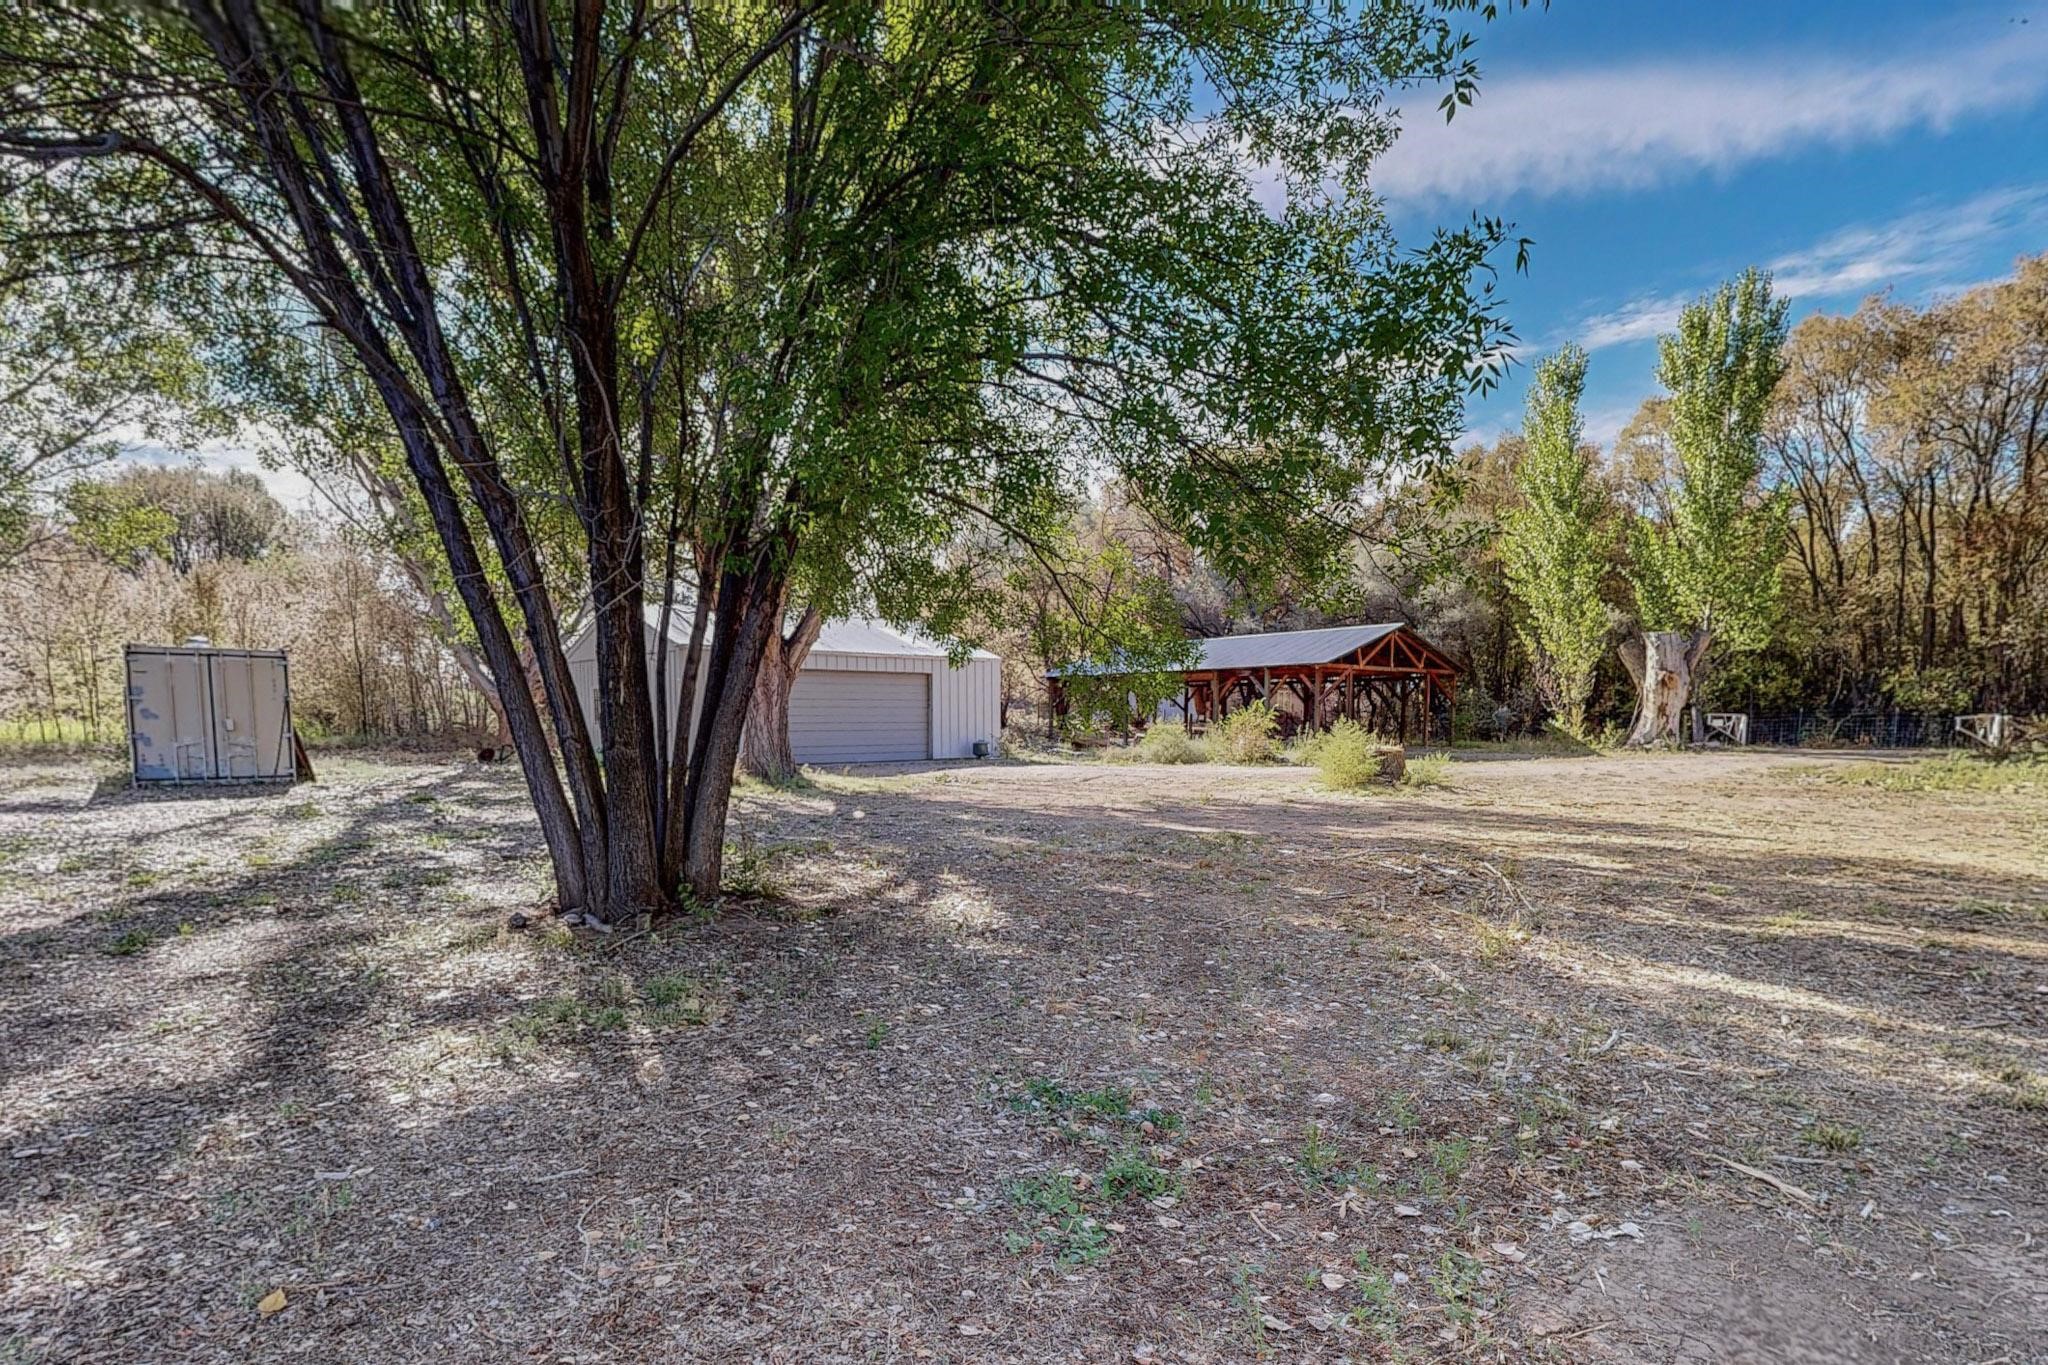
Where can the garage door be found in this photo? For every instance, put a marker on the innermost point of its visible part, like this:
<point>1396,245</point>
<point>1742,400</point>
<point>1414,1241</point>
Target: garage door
<point>840,716</point>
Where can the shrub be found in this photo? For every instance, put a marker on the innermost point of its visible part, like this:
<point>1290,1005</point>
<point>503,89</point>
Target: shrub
<point>1306,749</point>
<point>1246,735</point>
<point>1350,758</point>
<point>1428,771</point>
<point>1171,744</point>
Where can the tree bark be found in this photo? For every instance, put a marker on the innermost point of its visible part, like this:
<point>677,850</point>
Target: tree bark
<point>744,621</point>
<point>1662,664</point>
<point>765,750</point>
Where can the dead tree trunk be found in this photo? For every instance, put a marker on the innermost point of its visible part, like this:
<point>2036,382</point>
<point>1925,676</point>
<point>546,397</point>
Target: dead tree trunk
<point>765,750</point>
<point>1662,665</point>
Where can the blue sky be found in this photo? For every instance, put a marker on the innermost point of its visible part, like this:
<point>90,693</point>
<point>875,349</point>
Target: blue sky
<point>1652,149</point>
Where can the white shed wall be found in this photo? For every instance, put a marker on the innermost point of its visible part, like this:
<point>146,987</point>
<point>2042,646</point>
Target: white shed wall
<point>966,702</point>
<point>582,656</point>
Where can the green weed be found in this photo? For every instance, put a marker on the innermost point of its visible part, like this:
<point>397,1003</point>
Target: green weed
<point>131,943</point>
<point>1399,1109</point>
<point>1060,1220</point>
<point>1832,1137</point>
<point>1428,772</point>
<point>1348,757</point>
<point>1954,773</point>
<point>1133,1175</point>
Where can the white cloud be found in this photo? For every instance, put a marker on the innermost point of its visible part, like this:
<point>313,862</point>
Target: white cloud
<point>1637,320</point>
<point>1604,423</point>
<point>1909,249</point>
<point>1930,247</point>
<point>1639,125</point>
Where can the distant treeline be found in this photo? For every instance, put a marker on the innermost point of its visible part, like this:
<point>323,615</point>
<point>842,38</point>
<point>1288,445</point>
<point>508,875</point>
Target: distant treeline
<point>160,554</point>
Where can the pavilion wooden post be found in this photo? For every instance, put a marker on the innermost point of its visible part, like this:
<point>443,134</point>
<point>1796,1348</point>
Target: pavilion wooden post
<point>1428,705</point>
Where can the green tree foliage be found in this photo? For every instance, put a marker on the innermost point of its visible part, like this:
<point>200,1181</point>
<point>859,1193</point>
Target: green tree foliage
<point>1711,569</point>
<point>1111,629</point>
<point>1555,546</point>
<point>84,364</point>
<point>734,290</point>
<point>187,515</point>
<point>115,524</point>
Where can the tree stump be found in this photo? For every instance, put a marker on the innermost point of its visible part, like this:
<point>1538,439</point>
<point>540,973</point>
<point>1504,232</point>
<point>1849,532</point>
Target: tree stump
<point>1393,761</point>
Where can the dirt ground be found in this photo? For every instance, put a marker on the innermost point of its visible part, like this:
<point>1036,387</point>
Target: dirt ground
<point>1634,1059</point>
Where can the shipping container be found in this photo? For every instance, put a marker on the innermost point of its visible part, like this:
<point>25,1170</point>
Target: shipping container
<point>200,714</point>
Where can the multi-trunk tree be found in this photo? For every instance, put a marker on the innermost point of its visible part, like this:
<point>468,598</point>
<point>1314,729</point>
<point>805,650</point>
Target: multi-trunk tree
<point>655,298</point>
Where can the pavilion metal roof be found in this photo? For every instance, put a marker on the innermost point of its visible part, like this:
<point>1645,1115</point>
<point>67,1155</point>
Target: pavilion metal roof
<point>1285,648</point>
<point>1273,649</point>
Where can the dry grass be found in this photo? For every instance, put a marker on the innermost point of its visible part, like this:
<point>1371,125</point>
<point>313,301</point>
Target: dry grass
<point>1034,1062</point>
<point>1951,773</point>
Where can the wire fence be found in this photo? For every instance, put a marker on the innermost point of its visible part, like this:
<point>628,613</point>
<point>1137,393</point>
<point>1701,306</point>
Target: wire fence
<point>1854,730</point>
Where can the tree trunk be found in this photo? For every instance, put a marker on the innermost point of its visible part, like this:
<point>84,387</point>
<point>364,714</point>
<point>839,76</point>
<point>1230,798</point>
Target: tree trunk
<point>748,612</point>
<point>764,743</point>
<point>1662,663</point>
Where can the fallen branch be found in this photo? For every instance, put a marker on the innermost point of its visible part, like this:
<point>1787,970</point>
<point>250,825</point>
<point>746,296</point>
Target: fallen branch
<point>1773,1181</point>
<point>1525,911</point>
<point>1262,1226</point>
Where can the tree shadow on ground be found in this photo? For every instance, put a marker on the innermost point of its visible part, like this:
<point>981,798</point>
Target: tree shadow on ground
<point>791,1128</point>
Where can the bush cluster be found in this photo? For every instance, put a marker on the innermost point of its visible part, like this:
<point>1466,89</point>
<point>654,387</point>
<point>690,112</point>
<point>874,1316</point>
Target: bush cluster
<point>1246,735</point>
<point>1171,744</point>
<point>1351,758</point>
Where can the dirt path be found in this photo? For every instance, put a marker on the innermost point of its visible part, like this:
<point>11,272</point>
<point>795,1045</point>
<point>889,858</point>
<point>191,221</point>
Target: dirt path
<point>1036,1063</point>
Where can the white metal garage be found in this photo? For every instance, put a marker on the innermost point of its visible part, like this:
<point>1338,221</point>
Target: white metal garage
<point>839,715</point>
<point>867,693</point>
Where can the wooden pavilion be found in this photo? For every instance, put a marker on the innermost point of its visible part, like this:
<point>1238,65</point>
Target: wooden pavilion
<point>1385,677</point>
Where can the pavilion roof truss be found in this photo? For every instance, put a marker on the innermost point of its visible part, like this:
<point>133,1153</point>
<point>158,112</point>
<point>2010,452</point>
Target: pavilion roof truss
<point>1383,683</point>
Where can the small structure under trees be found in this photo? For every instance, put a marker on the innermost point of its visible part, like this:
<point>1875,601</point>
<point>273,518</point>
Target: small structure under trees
<point>863,692</point>
<point>1384,677</point>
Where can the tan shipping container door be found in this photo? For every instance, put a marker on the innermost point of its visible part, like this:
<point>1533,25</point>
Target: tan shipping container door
<point>209,715</point>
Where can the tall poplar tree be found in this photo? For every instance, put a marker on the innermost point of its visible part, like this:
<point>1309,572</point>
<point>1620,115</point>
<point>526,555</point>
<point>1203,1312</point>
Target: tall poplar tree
<point>1555,545</point>
<point>1707,575</point>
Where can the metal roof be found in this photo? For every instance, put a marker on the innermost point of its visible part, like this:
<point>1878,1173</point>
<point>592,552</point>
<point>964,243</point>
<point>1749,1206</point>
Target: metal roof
<point>1274,649</point>
<point>848,635</point>
<point>863,635</point>
<point>1283,648</point>
<point>679,613</point>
